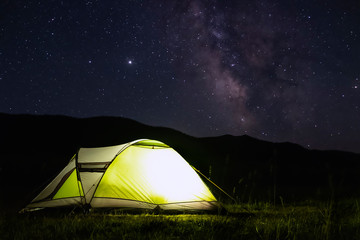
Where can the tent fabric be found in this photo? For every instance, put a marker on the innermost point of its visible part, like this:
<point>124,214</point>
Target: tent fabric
<point>140,174</point>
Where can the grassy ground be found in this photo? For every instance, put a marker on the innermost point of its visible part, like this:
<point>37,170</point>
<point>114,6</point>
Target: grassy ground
<point>313,220</point>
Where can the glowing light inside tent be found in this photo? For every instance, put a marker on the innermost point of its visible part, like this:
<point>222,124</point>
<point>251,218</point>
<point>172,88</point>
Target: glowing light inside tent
<point>171,178</point>
<point>70,188</point>
<point>158,176</point>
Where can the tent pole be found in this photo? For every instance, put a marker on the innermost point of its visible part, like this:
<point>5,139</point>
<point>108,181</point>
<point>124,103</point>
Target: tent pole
<point>78,177</point>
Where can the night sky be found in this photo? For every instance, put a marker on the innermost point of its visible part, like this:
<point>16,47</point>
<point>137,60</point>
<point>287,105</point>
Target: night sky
<point>275,70</point>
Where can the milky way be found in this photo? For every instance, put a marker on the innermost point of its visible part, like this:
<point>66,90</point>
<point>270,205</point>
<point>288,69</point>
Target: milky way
<point>267,67</point>
<point>274,70</point>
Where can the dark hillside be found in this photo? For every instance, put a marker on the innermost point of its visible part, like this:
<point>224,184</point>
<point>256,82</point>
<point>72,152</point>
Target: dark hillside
<point>33,149</point>
<point>256,169</point>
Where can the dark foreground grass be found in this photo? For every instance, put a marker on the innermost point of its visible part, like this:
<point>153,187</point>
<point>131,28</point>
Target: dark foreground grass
<point>251,221</point>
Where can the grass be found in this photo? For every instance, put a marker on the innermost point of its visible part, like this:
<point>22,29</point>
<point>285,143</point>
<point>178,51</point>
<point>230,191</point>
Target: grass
<point>311,220</point>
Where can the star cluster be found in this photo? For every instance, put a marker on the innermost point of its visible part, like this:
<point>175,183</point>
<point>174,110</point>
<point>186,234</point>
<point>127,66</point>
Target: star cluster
<point>276,70</point>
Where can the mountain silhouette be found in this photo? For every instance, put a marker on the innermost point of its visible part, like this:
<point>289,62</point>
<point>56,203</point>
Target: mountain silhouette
<point>34,149</point>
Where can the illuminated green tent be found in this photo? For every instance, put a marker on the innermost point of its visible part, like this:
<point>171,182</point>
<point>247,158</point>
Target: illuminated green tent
<point>140,174</point>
